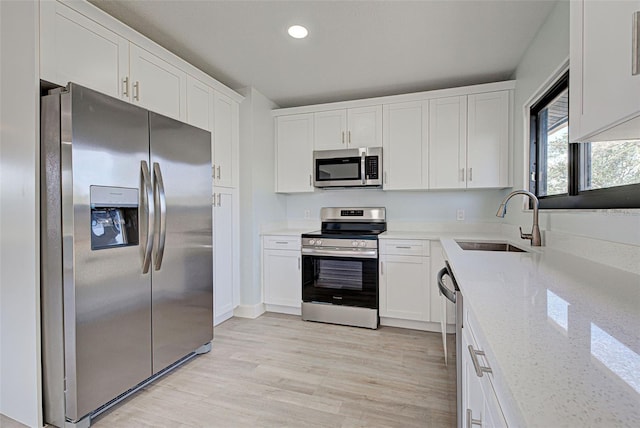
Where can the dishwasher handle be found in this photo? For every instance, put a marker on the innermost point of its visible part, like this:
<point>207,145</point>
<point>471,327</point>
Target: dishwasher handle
<point>449,294</point>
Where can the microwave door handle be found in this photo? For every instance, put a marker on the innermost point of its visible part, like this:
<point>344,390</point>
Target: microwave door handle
<point>362,167</point>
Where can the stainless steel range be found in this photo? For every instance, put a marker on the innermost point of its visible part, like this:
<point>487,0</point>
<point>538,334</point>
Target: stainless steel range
<point>340,267</point>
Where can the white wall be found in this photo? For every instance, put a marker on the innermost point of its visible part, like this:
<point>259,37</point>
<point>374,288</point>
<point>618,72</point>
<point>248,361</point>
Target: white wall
<point>259,205</point>
<point>546,53</point>
<point>19,222</point>
<point>427,206</point>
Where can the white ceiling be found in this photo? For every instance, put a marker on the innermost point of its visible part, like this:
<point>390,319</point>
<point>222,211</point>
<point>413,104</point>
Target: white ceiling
<point>355,49</point>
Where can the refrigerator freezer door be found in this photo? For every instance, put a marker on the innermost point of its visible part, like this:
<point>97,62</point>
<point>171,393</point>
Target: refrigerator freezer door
<point>106,295</point>
<point>182,291</point>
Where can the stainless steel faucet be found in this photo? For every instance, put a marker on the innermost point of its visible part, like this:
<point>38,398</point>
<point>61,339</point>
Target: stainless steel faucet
<point>534,236</point>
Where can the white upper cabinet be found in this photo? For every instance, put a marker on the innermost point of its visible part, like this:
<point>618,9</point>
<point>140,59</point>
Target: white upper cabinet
<point>157,85</point>
<point>348,128</point>
<point>469,141</point>
<point>447,142</point>
<point>225,140</point>
<point>364,126</point>
<point>199,103</point>
<point>405,146</point>
<point>330,130</point>
<point>77,49</point>
<point>294,153</point>
<point>488,140</point>
<point>603,90</point>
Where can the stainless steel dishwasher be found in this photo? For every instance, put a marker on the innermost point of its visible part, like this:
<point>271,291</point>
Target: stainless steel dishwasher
<point>453,295</point>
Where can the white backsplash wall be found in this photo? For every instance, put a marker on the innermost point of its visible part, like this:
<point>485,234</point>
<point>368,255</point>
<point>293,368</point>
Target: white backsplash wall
<point>419,206</point>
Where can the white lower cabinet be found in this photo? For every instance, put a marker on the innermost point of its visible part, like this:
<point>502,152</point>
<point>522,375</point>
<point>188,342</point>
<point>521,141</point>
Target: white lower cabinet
<point>480,406</point>
<point>405,279</point>
<point>282,273</point>
<point>225,254</point>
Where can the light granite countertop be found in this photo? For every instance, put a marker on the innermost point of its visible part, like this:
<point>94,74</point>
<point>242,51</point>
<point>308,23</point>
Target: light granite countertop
<point>562,335</point>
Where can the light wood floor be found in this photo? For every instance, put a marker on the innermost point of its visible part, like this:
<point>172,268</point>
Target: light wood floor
<point>280,371</point>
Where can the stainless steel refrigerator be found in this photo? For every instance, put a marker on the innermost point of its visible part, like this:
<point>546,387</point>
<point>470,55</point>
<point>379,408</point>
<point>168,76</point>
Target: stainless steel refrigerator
<point>126,239</point>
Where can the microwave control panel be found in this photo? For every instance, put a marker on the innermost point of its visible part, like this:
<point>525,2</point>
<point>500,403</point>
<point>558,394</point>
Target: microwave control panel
<point>371,167</point>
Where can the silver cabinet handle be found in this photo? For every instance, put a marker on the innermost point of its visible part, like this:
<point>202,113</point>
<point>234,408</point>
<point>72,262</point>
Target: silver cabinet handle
<point>213,170</point>
<point>146,194</point>
<point>213,200</point>
<point>381,268</point>
<point>218,172</point>
<point>471,421</point>
<point>461,174</point>
<point>635,55</point>
<point>219,199</point>
<point>342,137</point>
<point>309,180</point>
<point>282,242</point>
<point>161,220</point>
<point>480,370</point>
<point>349,138</point>
<point>470,174</point>
<point>384,174</point>
<point>125,87</point>
<point>136,91</point>
<point>298,263</point>
<point>405,247</point>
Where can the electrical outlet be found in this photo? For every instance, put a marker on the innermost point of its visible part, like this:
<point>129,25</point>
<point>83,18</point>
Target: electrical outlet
<point>307,214</point>
<point>460,214</point>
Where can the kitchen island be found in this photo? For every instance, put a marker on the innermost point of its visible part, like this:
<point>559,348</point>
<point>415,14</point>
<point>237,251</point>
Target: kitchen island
<point>562,335</point>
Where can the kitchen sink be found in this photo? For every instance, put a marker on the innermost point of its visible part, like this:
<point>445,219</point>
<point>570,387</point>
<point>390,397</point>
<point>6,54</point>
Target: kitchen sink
<point>489,246</point>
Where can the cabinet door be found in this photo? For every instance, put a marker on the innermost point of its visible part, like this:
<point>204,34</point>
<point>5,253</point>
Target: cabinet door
<point>157,85</point>
<point>225,138</point>
<point>472,394</point>
<point>223,254</point>
<point>199,103</point>
<point>364,127</point>
<point>282,278</point>
<point>447,142</point>
<point>294,153</point>
<point>330,130</point>
<point>76,49</point>
<point>405,150</point>
<point>603,91</point>
<point>404,287</point>
<point>488,140</point>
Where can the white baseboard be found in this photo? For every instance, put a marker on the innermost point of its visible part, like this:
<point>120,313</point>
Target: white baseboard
<point>291,310</point>
<point>415,325</point>
<point>249,311</point>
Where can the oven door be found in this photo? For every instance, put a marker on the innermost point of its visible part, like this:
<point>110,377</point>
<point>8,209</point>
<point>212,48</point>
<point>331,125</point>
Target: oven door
<point>340,280</point>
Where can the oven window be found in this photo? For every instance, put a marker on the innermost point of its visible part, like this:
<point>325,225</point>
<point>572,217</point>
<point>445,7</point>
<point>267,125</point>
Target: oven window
<point>339,274</point>
<point>338,169</point>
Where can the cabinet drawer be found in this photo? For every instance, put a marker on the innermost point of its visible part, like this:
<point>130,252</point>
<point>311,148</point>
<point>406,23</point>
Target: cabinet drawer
<point>281,242</point>
<point>404,247</point>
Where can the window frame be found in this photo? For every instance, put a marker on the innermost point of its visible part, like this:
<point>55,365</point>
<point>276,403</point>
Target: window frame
<point>617,197</point>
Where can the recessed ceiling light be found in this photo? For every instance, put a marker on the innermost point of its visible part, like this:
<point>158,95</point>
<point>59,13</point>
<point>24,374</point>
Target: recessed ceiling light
<point>297,32</point>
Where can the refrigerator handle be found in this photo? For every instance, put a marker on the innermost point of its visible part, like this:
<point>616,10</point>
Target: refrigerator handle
<point>160,201</point>
<point>146,194</point>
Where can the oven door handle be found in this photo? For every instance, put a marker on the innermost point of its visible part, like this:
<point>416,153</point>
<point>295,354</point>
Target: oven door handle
<point>353,253</point>
<point>449,294</point>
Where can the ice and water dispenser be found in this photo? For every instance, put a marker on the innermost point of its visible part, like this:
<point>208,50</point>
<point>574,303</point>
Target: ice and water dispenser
<point>114,217</point>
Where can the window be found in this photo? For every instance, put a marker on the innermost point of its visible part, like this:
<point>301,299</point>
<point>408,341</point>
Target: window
<point>599,174</point>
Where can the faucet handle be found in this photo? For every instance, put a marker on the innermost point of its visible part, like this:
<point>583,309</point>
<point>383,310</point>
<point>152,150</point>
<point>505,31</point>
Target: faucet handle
<point>528,236</point>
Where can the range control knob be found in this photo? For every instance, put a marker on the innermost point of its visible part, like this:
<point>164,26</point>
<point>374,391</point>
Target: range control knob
<point>312,241</point>
<point>319,242</point>
<point>362,243</point>
<point>354,243</point>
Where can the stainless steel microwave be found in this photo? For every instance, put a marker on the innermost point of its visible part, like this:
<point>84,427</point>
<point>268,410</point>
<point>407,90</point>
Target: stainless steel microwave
<point>348,167</point>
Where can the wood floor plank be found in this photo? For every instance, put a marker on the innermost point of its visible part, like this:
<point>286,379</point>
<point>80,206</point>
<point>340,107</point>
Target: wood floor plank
<point>280,371</point>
